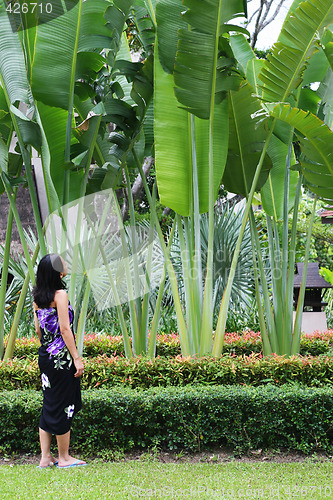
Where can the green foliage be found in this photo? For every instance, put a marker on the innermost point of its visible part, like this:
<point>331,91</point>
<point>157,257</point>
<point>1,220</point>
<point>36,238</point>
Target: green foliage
<point>194,418</point>
<point>105,321</point>
<point>289,57</point>
<point>327,275</point>
<point>242,317</point>
<point>321,248</point>
<point>143,373</point>
<point>227,370</point>
<point>239,344</point>
<point>262,53</point>
<point>21,430</point>
<point>143,216</point>
<point>227,224</point>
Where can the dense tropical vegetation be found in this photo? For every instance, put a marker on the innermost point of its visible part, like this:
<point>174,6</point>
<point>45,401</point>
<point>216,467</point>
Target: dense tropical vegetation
<point>71,95</point>
<point>183,175</point>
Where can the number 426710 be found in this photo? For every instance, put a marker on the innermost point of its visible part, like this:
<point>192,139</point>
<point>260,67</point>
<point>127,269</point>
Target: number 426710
<point>29,8</point>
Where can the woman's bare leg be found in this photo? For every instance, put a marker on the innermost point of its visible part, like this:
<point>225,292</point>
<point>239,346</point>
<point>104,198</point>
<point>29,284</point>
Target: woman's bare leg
<point>63,447</point>
<point>45,445</point>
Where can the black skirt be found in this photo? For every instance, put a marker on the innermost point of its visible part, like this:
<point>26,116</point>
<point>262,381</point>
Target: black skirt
<point>61,396</point>
<point>61,390</point>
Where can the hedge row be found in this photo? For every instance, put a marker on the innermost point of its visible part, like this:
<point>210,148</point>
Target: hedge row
<point>181,418</point>
<point>244,343</point>
<point>143,373</point>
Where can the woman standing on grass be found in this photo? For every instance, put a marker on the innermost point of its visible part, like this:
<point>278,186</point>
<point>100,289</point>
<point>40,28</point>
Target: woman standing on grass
<point>59,361</point>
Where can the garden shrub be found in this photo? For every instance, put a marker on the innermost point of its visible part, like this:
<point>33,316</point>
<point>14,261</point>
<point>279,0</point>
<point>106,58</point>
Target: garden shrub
<point>141,372</point>
<point>192,418</point>
<point>244,343</point>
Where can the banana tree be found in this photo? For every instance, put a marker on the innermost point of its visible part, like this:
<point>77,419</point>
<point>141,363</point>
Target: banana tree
<point>74,42</point>
<point>283,188</point>
<point>91,53</point>
<point>191,145</point>
<point>14,90</point>
<point>199,89</point>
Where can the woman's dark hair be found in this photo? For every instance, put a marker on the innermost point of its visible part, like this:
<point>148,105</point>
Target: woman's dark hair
<point>48,280</point>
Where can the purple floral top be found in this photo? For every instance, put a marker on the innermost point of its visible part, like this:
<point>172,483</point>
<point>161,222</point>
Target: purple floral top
<point>52,342</point>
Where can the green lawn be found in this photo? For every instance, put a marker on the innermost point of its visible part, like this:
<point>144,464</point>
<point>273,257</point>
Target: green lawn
<point>136,479</point>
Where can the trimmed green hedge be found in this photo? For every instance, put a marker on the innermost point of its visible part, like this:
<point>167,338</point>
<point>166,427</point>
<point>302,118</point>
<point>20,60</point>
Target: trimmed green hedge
<point>143,373</point>
<point>244,343</point>
<point>190,418</point>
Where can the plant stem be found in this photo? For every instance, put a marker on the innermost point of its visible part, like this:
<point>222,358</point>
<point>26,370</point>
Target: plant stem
<point>300,304</point>
<point>67,156</point>
<point>153,329</point>
<point>19,308</point>
<point>183,330</point>
<point>4,278</point>
<point>11,199</point>
<point>222,318</point>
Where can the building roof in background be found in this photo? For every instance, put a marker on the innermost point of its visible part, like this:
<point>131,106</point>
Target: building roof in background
<point>313,278</point>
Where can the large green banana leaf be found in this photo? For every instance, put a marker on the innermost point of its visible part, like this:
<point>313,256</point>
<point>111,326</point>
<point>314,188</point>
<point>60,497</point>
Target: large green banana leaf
<point>325,92</point>
<point>248,63</point>
<point>173,147</point>
<point>200,86</point>
<point>13,76</point>
<point>116,16</point>
<point>56,50</point>
<point>53,123</point>
<point>283,70</point>
<point>246,140</point>
<point>65,50</point>
<point>317,148</point>
<point>169,21</point>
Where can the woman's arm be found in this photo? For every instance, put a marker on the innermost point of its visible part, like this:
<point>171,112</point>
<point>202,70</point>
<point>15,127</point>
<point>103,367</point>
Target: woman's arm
<point>61,302</point>
<point>38,332</point>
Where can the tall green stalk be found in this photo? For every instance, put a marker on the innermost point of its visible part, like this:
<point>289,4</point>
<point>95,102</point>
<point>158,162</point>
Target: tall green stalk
<point>154,325</point>
<point>67,157</point>
<point>126,338</point>
<point>139,340</point>
<point>222,318</point>
<point>19,308</point>
<point>95,122</point>
<point>196,254</point>
<point>183,329</point>
<point>296,336</point>
<point>13,208</point>
<point>131,301</point>
<point>91,263</point>
<point>4,278</point>
<point>257,258</point>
